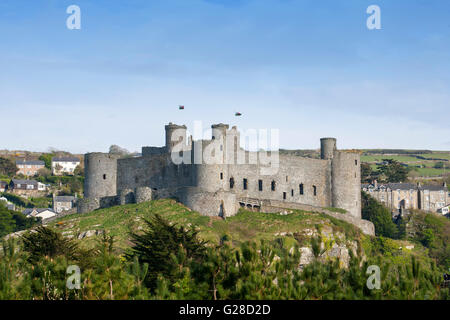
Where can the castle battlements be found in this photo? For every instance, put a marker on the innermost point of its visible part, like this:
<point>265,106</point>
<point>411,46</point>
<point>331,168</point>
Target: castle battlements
<point>211,175</point>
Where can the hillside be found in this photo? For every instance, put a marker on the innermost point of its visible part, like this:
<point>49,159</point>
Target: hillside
<point>245,226</point>
<point>172,270</point>
<point>297,226</point>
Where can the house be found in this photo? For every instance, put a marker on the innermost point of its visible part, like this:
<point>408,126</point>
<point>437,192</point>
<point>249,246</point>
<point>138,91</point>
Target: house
<point>43,213</point>
<point>62,166</point>
<point>3,186</point>
<point>30,167</point>
<point>399,196</point>
<point>444,210</point>
<point>8,205</point>
<point>26,186</point>
<point>63,203</point>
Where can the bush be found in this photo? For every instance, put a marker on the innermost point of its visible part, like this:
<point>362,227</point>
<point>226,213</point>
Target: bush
<point>379,215</point>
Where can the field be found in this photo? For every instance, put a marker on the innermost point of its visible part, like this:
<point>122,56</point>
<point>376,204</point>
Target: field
<point>422,163</point>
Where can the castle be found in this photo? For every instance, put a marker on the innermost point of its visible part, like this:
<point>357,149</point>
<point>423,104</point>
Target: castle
<point>216,176</point>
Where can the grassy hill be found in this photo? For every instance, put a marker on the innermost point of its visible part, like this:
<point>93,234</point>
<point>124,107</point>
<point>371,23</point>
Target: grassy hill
<point>120,220</point>
<point>296,227</point>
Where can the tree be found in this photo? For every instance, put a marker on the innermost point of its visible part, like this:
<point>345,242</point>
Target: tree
<point>44,172</point>
<point>366,172</point>
<point>11,221</point>
<point>439,165</point>
<point>7,167</point>
<point>158,246</point>
<point>78,171</point>
<point>393,171</point>
<point>47,158</point>
<point>115,149</point>
<point>379,215</point>
<point>7,223</point>
<point>44,242</point>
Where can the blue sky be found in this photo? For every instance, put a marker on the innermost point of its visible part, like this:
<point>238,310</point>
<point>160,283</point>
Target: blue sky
<point>309,68</point>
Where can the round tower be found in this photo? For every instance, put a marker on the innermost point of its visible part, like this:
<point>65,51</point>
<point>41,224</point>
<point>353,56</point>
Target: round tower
<point>174,135</point>
<point>327,148</point>
<point>346,182</point>
<point>100,175</point>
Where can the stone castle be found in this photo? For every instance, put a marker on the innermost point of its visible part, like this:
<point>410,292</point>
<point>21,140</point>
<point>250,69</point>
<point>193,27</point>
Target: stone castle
<point>216,177</point>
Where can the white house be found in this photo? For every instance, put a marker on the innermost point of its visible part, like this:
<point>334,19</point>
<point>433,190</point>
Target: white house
<point>62,166</point>
<point>39,213</point>
<point>444,210</point>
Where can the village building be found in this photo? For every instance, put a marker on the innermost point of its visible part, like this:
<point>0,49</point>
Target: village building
<point>30,167</point>
<point>43,213</point>
<point>67,165</point>
<point>63,203</point>
<point>407,196</point>
<point>26,187</point>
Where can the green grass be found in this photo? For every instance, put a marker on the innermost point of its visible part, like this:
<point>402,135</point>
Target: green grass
<point>120,220</point>
<point>428,169</point>
<point>339,210</point>
<point>379,158</point>
<point>432,171</point>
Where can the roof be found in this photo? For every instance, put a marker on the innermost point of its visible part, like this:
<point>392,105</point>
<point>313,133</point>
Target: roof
<point>3,183</point>
<point>433,188</point>
<point>31,162</point>
<point>16,181</point>
<point>65,159</point>
<point>65,198</point>
<point>401,186</point>
<point>38,210</point>
<point>405,186</point>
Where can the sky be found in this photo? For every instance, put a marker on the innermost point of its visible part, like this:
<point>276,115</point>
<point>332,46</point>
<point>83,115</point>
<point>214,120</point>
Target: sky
<point>308,68</point>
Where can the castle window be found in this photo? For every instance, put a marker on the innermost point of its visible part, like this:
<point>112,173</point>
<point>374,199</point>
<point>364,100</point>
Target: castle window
<point>260,185</point>
<point>231,183</point>
<point>284,195</point>
<point>221,147</point>
<point>104,177</point>
<point>292,192</point>
<point>356,162</point>
<point>273,185</point>
<point>221,176</point>
<point>245,184</point>
<point>301,188</point>
<point>287,179</point>
<point>315,190</point>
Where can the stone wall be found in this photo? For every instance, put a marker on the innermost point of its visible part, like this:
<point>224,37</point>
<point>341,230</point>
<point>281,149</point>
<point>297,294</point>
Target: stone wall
<point>218,204</point>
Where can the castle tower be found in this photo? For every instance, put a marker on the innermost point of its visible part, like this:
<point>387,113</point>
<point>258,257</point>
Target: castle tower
<point>175,134</point>
<point>346,182</point>
<point>100,175</point>
<point>327,148</point>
